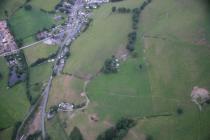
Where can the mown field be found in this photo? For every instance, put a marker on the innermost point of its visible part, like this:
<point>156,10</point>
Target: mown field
<point>14,103</point>
<point>105,36</point>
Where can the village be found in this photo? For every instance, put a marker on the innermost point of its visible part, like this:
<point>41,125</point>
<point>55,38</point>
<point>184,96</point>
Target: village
<point>7,41</point>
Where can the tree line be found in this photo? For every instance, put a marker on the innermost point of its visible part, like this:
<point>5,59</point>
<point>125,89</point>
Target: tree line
<point>119,131</point>
<point>135,22</point>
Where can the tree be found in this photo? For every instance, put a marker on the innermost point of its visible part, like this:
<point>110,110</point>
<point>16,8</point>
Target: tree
<point>76,134</point>
<point>1,76</point>
<point>119,131</point>
<point>6,13</point>
<point>149,137</point>
<point>28,7</point>
<point>179,111</point>
<point>114,9</point>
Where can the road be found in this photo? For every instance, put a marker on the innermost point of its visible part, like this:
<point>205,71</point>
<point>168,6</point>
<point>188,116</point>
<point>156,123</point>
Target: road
<point>71,33</point>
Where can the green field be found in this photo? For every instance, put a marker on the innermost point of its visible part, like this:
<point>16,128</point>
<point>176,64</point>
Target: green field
<point>10,6</point>
<point>105,36</point>
<point>47,5</point>
<point>175,55</point>
<point>14,103</point>
<point>39,76</point>
<point>39,51</point>
<point>65,89</point>
<point>24,23</point>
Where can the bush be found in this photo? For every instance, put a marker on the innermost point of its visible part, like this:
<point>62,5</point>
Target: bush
<point>28,7</point>
<point>179,111</point>
<point>119,131</point>
<point>76,134</point>
<point>149,137</point>
<point>110,65</point>
<point>15,130</point>
<point>1,76</point>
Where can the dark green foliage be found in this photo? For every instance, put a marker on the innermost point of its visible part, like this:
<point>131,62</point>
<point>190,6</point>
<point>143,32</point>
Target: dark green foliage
<point>179,111</point>
<point>110,65</point>
<point>1,76</point>
<point>149,137</point>
<point>15,129</point>
<point>114,9</point>
<point>42,60</point>
<point>34,136</point>
<point>76,134</point>
<point>119,131</point>
<point>131,41</point>
<point>28,7</point>
<point>116,0</point>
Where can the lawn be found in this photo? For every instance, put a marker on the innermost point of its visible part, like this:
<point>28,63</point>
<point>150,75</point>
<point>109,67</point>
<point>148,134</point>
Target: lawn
<point>14,103</point>
<point>48,5</point>
<point>10,5</point>
<point>25,24</point>
<point>39,51</point>
<point>105,36</point>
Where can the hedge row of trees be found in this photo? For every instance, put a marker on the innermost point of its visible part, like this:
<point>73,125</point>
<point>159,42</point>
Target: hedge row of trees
<point>42,60</point>
<point>122,10</point>
<point>116,0</point>
<point>15,130</point>
<point>119,131</point>
<point>34,136</point>
<point>1,76</point>
<point>76,134</point>
<point>135,22</point>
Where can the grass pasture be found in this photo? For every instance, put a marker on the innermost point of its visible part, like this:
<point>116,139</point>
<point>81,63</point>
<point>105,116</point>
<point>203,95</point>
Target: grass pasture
<point>48,5</point>
<point>25,24</point>
<point>14,102</point>
<point>39,75</point>
<point>105,36</point>
<point>175,55</point>
<point>39,51</point>
<point>66,89</point>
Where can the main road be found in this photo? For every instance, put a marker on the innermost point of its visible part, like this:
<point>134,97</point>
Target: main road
<point>71,32</point>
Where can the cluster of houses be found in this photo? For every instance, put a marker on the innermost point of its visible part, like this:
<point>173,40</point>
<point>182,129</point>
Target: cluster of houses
<point>63,106</point>
<point>7,42</point>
